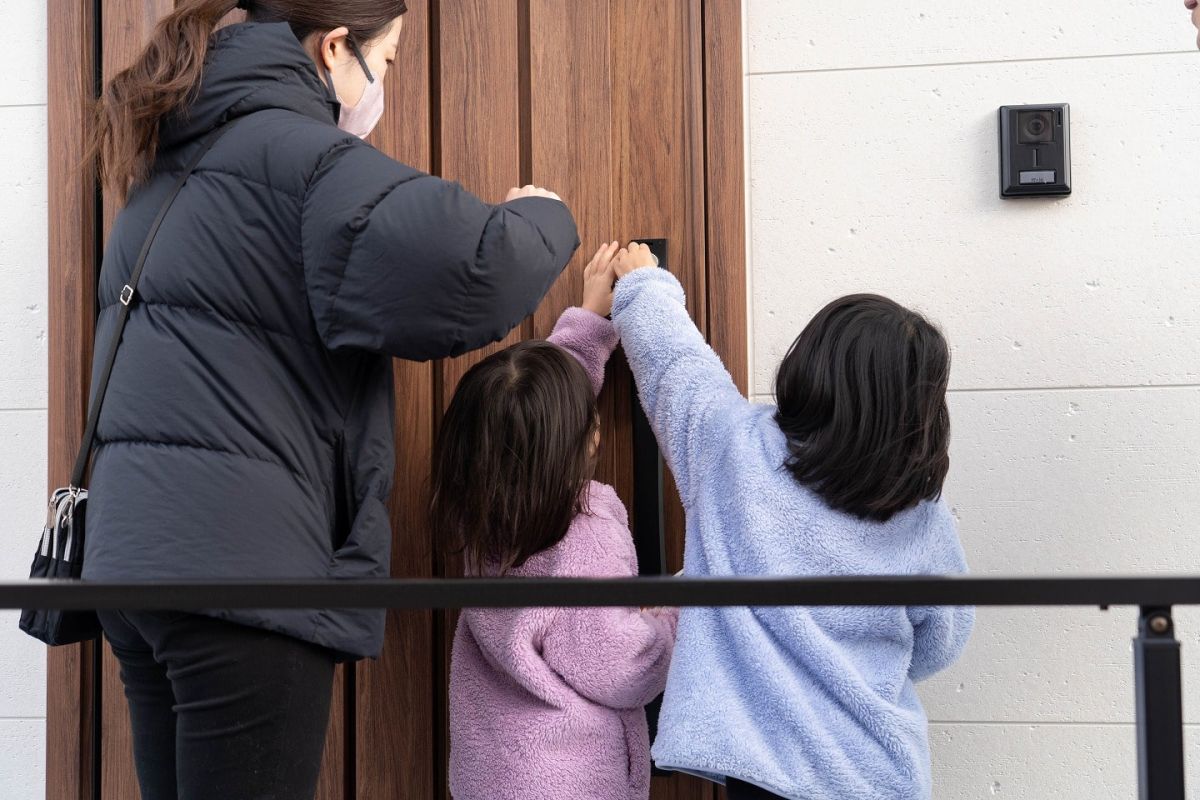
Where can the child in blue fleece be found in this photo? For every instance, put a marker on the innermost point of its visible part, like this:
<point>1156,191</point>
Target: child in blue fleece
<point>843,477</point>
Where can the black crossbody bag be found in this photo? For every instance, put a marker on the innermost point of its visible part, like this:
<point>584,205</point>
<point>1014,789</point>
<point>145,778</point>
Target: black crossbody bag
<point>60,551</point>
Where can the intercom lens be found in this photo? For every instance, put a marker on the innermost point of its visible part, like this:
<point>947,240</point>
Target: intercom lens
<point>1035,127</point>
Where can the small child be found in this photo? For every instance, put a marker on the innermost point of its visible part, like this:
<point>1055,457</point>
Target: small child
<point>545,703</point>
<point>844,477</point>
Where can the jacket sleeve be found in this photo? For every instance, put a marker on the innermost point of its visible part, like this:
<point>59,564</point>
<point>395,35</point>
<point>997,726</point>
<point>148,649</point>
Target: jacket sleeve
<point>403,263</point>
<point>689,396</point>
<point>615,657</point>
<point>590,338</point>
<point>940,633</point>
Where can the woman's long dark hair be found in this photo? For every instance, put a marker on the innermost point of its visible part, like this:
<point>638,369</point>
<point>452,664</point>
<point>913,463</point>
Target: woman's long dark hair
<point>862,401</point>
<point>513,457</point>
<point>166,76</point>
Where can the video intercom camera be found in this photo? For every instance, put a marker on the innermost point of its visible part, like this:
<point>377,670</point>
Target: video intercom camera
<point>1035,150</point>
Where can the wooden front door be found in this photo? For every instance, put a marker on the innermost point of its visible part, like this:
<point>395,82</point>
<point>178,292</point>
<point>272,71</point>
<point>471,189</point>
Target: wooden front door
<point>630,109</point>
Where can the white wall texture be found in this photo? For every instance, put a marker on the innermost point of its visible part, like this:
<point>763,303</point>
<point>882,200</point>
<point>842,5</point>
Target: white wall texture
<point>22,381</point>
<point>1075,324</point>
<point>23,324</point>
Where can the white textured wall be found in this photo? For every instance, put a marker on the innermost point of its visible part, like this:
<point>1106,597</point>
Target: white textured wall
<point>22,381</point>
<point>1075,324</point>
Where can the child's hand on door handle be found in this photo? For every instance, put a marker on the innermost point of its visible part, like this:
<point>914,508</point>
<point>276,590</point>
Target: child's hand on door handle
<point>598,278</point>
<point>634,257</point>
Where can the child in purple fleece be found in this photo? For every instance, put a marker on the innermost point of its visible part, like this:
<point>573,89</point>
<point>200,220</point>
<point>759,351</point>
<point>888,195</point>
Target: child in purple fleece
<point>545,703</point>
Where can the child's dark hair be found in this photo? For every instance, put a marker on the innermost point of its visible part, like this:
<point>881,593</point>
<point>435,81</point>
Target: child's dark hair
<point>862,400</point>
<point>513,457</point>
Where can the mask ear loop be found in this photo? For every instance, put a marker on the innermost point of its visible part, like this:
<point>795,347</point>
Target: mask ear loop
<point>362,62</point>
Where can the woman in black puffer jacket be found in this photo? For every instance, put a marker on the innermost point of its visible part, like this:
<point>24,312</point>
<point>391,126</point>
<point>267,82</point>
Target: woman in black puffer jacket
<point>247,432</point>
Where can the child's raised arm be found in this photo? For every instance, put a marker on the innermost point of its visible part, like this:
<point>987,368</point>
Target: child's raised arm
<point>685,389</point>
<point>584,332</point>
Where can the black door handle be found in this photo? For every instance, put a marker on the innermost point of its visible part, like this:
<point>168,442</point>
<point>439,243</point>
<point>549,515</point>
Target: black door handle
<point>648,524</point>
<point>649,528</point>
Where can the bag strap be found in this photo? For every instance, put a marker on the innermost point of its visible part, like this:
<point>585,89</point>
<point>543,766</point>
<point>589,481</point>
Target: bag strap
<point>128,293</point>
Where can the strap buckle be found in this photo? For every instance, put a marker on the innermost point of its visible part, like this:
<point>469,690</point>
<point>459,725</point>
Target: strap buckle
<point>127,295</point>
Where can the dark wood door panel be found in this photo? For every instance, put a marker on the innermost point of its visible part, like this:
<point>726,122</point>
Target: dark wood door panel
<point>631,109</point>
<point>480,69</point>
<point>70,677</point>
<point>570,121</point>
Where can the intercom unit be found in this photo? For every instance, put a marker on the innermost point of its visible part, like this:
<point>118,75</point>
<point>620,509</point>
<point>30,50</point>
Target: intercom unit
<point>1035,150</point>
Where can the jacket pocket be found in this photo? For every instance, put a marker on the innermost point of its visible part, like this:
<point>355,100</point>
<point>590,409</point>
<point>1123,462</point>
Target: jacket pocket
<point>343,496</point>
<point>366,552</point>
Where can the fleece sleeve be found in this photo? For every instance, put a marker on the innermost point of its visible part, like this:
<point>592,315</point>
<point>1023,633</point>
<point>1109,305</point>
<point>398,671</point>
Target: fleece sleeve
<point>689,396</point>
<point>407,264</point>
<point>590,338</point>
<point>940,633</point>
<point>616,657</point>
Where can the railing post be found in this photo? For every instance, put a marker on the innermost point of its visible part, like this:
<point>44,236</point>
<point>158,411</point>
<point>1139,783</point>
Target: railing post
<point>1159,706</point>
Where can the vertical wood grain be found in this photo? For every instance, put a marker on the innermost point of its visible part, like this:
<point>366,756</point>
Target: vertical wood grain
<point>70,711</point>
<point>480,117</point>
<point>725,186</point>
<point>658,110</point>
<point>571,121</point>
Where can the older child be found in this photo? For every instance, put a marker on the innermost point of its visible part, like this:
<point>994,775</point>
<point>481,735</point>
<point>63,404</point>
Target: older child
<point>545,703</point>
<point>843,477</point>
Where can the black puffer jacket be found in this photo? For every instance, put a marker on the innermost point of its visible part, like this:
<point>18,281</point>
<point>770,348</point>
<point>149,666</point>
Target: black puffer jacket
<point>248,428</point>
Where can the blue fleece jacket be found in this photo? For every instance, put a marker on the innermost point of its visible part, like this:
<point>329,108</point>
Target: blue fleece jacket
<point>808,703</point>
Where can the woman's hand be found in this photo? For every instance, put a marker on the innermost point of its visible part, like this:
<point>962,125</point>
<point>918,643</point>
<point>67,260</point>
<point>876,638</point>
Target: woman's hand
<point>530,191</point>
<point>598,278</point>
<point>634,257</point>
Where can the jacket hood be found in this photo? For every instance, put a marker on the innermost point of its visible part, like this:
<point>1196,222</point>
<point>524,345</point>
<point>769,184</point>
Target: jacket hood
<point>252,67</point>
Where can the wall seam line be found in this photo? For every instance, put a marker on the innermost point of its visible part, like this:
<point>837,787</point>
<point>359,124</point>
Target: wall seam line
<point>985,62</point>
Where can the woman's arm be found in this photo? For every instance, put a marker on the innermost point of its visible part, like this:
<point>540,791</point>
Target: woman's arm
<point>403,263</point>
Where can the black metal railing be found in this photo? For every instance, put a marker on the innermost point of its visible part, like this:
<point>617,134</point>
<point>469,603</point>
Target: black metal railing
<point>1158,680</point>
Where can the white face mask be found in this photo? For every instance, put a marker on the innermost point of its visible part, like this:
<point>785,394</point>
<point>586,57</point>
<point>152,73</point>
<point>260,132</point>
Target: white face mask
<point>361,118</point>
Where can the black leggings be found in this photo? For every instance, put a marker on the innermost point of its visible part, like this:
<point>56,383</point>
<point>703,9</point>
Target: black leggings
<point>221,711</point>
<point>736,790</point>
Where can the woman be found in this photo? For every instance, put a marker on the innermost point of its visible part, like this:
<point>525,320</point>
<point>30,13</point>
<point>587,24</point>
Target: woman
<point>247,432</point>
<point>1194,7</point>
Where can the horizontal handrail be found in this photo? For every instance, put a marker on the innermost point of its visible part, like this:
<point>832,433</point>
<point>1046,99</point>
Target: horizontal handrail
<point>446,593</point>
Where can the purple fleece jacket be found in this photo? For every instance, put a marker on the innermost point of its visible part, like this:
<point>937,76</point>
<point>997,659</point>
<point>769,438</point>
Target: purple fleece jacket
<point>545,703</point>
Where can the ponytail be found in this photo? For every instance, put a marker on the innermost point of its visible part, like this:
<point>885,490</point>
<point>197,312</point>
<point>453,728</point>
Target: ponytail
<point>162,81</point>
